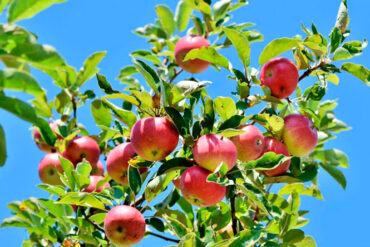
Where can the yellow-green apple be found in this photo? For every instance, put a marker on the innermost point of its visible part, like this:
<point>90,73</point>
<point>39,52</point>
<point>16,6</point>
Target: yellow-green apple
<point>299,134</point>
<point>97,169</point>
<point>94,179</point>
<point>48,169</point>
<point>211,150</point>
<point>197,190</point>
<point>281,76</point>
<point>38,139</point>
<point>82,147</point>
<point>124,225</point>
<point>276,146</point>
<point>186,44</point>
<point>117,162</point>
<point>249,144</point>
<point>154,138</point>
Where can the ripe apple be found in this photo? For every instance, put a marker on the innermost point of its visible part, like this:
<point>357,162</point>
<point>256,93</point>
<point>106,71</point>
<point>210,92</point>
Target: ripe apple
<point>97,169</point>
<point>249,144</point>
<point>281,76</point>
<point>176,182</point>
<point>154,138</point>
<point>186,44</point>
<point>211,150</point>
<point>94,179</point>
<point>82,147</point>
<point>197,191</point>
<point>274,145</point>
<point>38,139</point>
<point>299,135</point>
<point>49,168</point>
<point>124,225</point>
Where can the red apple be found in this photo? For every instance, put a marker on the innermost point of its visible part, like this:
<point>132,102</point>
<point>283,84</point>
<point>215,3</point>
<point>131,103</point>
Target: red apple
<point>249,144</point>
<point>186,44</point>
<point>154,138</point>
<point>274,145</point>
<point>38,139</point>
<point>176,182</point>
<point>48,169</point>
<point>97,169</point>
<point>82,147</point>
<point>197,191</point>
<point>124,225</point>
<point>211,150</point>
<point>281,76</point>
<point>299,135</point>
<point>93,182</point>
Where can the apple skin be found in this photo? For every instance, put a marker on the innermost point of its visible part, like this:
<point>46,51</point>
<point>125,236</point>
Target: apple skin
<point>249,144</point>
<point>186,44</point>
<point>299,135</point>
<point>281,76</point>
<point>98,169</point>
<point>154,138</point>
<point>176,182</point>
<point>94,179</point>
<point>211,150</point>
<point>276,146</point>
<point>82,147</point>
<point>40,143</point>
<point>124,226</point>
<point>49,167</point>
<point>197,191</point>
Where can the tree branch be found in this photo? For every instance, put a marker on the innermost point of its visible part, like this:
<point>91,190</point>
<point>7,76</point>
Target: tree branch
<point>175,75</point>
<point>164,238</point>
<point>91,222</point>
<point>310,70</point>
<point>233,217</point>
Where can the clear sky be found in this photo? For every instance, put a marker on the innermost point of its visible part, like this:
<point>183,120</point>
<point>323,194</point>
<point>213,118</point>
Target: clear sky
<point>79,28</point>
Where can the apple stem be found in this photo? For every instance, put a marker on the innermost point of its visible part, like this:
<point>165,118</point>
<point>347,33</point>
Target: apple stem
<point>164,238</point>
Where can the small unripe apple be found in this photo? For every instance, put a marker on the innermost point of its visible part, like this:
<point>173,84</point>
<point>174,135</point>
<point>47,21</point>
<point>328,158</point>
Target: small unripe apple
<point>197,190</point>
<point>299,135</point>
<point>94,179</point>
<point>124,225</point>
<point>211,150</point>
<point>97,169</point>
<point>281,76</point>
<point>48,169</point>
<point>276,146</point>
<point>249,144</point>
<point>82,147</point>
<point>154,138</point>
<point>40,143</point>
<point>186,44</point>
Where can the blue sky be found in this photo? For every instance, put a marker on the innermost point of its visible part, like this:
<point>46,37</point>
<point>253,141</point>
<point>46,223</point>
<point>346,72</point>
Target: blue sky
<point>79,28</point>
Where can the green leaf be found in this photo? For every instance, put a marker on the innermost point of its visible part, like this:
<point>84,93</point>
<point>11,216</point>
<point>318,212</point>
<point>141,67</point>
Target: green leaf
<point>302,190</point>
<point>127,117</point>
<point>101,113</point>
<point>277,47</point>
<point>342,17</point>
<point>208,54</point>
<point>241,44</point>
<point>335,39</point>
<point>148,56</point>
<point>316,44</point>
<point>178,120</point>
<point>22,9</point>
<point>335,173</point>
<point>268,161</point>
<point>357,70</point>
<point>98,218</point>
<point>293,236</point>
<point>52,189</point>
<point>331,156</point>
<point>81,199</point>
<point>89,68</point>
<point>225,107</point>
<point>68,171</point>
<point>233,122</point>
<point>174,164</point>
<point>105,85</point>
<point>15,221</point>
<point>221,8</point>
<point>272,123</point>
<point>149,74</point>
<point>134,179</point>
<point>308,241</point>
<point>128,98</point>
<point>231,132</point>
<point>82,174</point>
<point>157,185</point>
<point>166,18</point>
<point>3,4</point>
<point>3,154</point>
<point>182,15</point>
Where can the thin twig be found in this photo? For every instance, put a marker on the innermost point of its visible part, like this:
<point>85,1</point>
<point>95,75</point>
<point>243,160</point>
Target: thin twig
<point>91,222</point>
<point>175,75</point>
<point>233,217</point>
<point>164,238</point>
<point>310,70</point>
<point>262,111</point>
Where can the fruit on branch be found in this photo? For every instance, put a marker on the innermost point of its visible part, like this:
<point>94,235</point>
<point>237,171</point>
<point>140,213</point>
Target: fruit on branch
<point>154,138</point>
<point>176,182</point>
<point>211,150</point>
<point>97,169</point>
<point>48,169</point>
<point>186,44</point>
<point>276,146</point>
<point>117,162</point>
<point>124,225</point>
<point>94,179</point>
<point>197,191</point>
<point>299,134</point>
<point>249,144</point>
<point>281,76</point>
<point>82,147</point>
<point>38,139</point>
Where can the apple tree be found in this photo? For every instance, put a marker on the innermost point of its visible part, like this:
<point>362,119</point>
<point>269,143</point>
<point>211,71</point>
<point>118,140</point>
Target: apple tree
<point>179,162</point>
